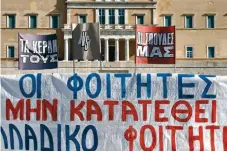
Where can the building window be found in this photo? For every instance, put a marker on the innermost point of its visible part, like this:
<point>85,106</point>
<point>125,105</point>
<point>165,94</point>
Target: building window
<point>139,19</point>
<point>82,19</point>
<point>189,51</point>
<point>121,16</point>
<point>211,52</point>
<point>102,16</point>
<point>189,21</point>
<point>111,16</point>
<point>167,20</point>
<point>11,21</point>
<point>10,51</point>
<point>210,21</point>
<point>54,20</point>
<point>33,21</point>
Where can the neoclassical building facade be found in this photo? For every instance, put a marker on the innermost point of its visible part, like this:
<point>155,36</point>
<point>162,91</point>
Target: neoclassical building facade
<point>201,30</point>
<point>117,20</point>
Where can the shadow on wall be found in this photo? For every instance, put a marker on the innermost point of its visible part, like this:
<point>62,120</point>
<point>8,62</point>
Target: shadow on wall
<point>61,6</point>
<point>61,10</point>
<point>60,36</point>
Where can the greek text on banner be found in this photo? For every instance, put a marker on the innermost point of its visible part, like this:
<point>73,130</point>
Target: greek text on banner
<point>109,112</point>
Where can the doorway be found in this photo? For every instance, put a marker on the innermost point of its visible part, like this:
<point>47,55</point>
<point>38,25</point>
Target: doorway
<point>111,53</point>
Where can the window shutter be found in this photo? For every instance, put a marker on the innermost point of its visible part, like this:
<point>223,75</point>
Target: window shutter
<point>55,21</point>
<point>33,22</point>
<point>11,52</point>
<point>211,52</point>
<point>189,22</point>
<point>11,21</point>
<point>210,21</point>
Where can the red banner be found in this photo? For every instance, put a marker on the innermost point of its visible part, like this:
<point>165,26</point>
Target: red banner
<point>155,45</point>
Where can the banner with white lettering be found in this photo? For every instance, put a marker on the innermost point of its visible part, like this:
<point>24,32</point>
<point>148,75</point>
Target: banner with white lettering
<point>86,42</point>
<point>155,45</point>
<point>37,51</point>
<point>113,112</point>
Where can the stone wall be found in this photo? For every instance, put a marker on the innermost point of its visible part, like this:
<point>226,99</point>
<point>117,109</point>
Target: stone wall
<point>198,37</point>
<point>22,9</point>
<point>182,66</point>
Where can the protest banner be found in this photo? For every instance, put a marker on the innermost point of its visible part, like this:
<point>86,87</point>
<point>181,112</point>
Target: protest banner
<point>37,51</point>
<point>86,42</point>
<point>113,112</point>
<point>155,45</point>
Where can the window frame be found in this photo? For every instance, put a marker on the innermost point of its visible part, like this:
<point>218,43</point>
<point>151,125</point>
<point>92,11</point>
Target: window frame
<point>207,24</point>
<point>186,51</point>
<point>171,20</point>
<point>137,19</point>
<point>101,15</point>
<point>7,51</point>
<point>208,51</point>
<point>120,15</point>
<point>7,20</point>
<point>111,15</point>
<point>185,21</point>
<point>51,21</point>
<point>79,18</point>
<point>29,21</point>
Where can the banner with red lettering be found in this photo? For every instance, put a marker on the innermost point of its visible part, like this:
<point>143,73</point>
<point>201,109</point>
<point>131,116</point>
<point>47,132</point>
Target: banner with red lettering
<point>155,45</point>
<point>113,112</point>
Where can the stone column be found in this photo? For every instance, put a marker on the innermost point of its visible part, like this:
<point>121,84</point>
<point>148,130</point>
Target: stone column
<point>116,16</point>
<point>107,50</point>
<point>116,49</point>
<point>126,16</point>
<point>126,49</point>
<point>106,16</point>
<point>68,16</point>
<point>154,16</point>
<point>97,15</point>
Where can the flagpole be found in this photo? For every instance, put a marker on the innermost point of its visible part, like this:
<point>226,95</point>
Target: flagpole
<point>71,46</point>
<point>135,67</point>
<point>74,66</point>
<point>135,49</point>
<point>100,43</point>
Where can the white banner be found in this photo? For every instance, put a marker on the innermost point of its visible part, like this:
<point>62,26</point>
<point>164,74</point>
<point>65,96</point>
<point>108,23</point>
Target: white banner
<point>113,112</point>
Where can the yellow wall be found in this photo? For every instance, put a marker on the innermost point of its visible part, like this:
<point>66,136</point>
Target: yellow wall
<point>199,37</point>
<point>90,15</point>
<point>148,17</point>
<point>24,7</point>
<point>197,7</point>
